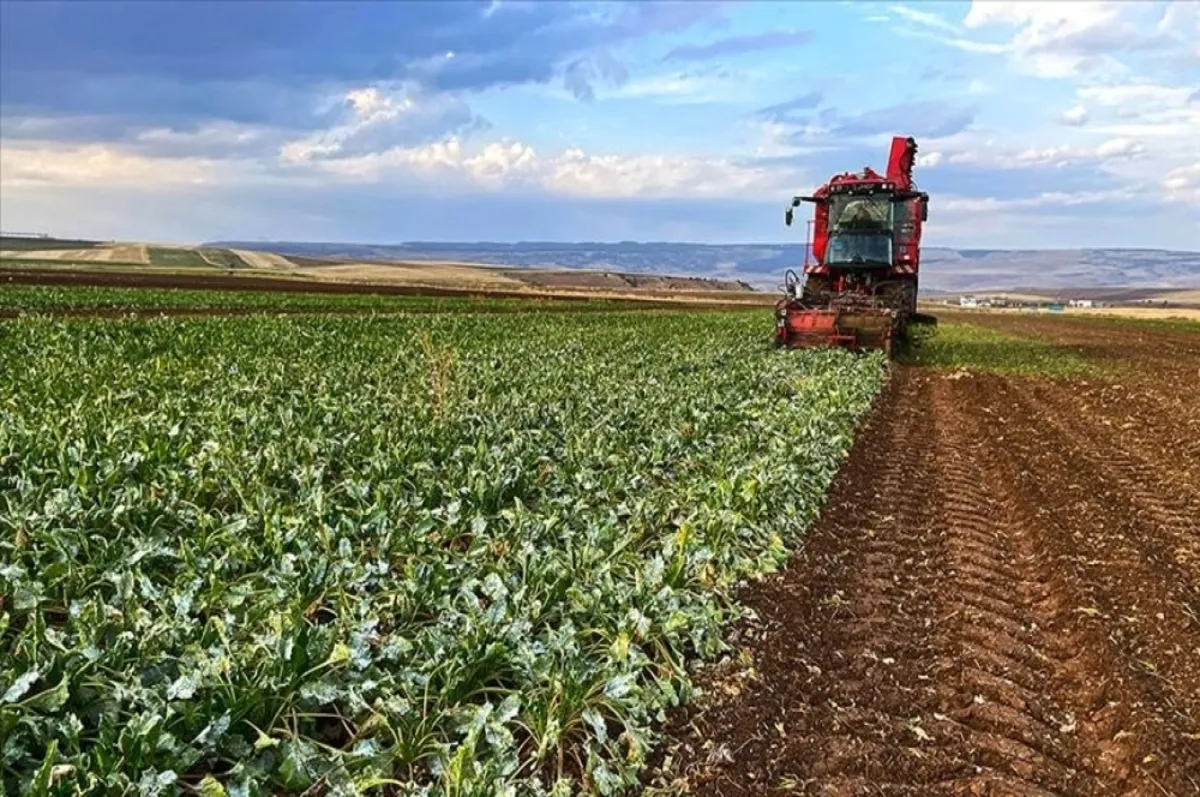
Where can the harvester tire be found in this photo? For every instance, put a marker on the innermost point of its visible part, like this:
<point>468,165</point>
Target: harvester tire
<point>923,318</point>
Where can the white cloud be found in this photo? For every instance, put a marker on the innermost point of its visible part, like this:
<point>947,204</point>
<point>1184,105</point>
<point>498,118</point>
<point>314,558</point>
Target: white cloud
<point>929,160</point>
<point>1156,123</point>
<point>378,120</point>
<point>1137,95</point>
<point>1181,21</point>
<point>693,86</point>
<point>1077,38</point>
<point>445,166</point>
<point>774,139</point>
<point>1065,39</point>
<point>39,163</point>
<point>991,154</point>
<point>579,174</point>
<point>1183,183</point>
<point>1162,115</point>
<point>370,106</point>
<point>1075,116</point>
<point>1133,118</point>
<point>926,18</point>
<point>511,164</point>
<point>1048,199</point>
<point>994,155</point>
<point>219,134</point>
<point>1120,148</point>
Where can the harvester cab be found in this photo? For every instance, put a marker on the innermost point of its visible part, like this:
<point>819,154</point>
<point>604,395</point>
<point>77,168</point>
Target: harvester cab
<point>862,260</point>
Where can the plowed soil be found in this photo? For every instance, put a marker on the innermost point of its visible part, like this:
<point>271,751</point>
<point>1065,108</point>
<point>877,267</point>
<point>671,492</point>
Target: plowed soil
<point>1001,597</point>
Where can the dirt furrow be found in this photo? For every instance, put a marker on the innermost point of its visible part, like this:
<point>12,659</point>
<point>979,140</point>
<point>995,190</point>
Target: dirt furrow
<point>1145,520</point>
<point>1125,610</point>
<point>1163,489</point>
<point>968,616</point>
<point>995,673</point>
<point>1135,418</point>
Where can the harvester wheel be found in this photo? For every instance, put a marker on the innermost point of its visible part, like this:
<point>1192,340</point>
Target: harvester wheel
<point>924,318</point>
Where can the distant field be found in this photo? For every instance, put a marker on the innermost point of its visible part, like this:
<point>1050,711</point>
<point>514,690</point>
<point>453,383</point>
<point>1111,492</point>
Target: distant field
<point>17,243</point>
<point>442,274</point>
<point>103,300</point>
<point>1138,312</point>
<point>177,257</point>
<point>1116,295</point>
<point>1181,296</point>
<point>222,258</point>
<point>188,269</point>
<point>101,253</point>
<point>150,289</point>
<point>263,259</point>
<point>1189,313</point>
<point>58,255</point>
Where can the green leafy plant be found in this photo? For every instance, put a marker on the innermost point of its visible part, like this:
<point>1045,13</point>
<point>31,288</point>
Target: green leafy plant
<point>971,347</point>
<point>444,554</point>
<point>35,299</point>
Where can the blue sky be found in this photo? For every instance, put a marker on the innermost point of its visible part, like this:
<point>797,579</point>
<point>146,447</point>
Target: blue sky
<point>1039,124</point>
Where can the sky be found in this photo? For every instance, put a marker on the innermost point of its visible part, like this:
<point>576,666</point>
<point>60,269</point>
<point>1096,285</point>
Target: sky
<point>1039,125</point>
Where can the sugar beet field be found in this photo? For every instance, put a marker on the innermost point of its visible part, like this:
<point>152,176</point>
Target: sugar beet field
<point>426,550</point>
<point>458,552</point>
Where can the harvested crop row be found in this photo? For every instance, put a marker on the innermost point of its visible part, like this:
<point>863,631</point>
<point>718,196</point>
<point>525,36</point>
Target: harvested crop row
<point>444,554</point>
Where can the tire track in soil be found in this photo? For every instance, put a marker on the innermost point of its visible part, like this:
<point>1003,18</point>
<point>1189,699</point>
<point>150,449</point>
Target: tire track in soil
<point>1002,644</point>
<point>1158,435</point>
<point>928,637</point>
<point>1168,498</point>
<point>1133,598</point>
<point>1044,692</point>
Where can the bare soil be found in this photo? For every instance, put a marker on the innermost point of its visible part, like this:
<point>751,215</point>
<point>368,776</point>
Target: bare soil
<point>440,275</point>
<point>99,253</point>
<point>263,259</point>
<point>615,280</point>
<point>1002,596</point>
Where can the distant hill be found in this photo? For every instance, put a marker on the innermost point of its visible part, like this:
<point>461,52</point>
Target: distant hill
<point>763,265</point>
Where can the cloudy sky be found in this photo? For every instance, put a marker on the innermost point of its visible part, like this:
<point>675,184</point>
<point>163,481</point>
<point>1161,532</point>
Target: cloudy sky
<point>1039,124</point>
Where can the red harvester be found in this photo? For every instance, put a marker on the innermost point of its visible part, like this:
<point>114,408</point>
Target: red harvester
<point>860,288</point>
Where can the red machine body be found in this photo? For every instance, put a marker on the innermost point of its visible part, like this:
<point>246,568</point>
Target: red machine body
<point>863,260</point>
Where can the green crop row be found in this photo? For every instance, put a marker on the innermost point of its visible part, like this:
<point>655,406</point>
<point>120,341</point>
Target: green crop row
<point>35,298</point>
<point>446,554</point>
<point>972,347</point>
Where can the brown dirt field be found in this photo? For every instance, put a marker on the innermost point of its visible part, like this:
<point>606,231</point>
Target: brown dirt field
<point>416,274</point>
<point>99,254</point>
<point>263,259</point>
<point>1002,596</point>
<point>491,276</point>
<point>614,280</point>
